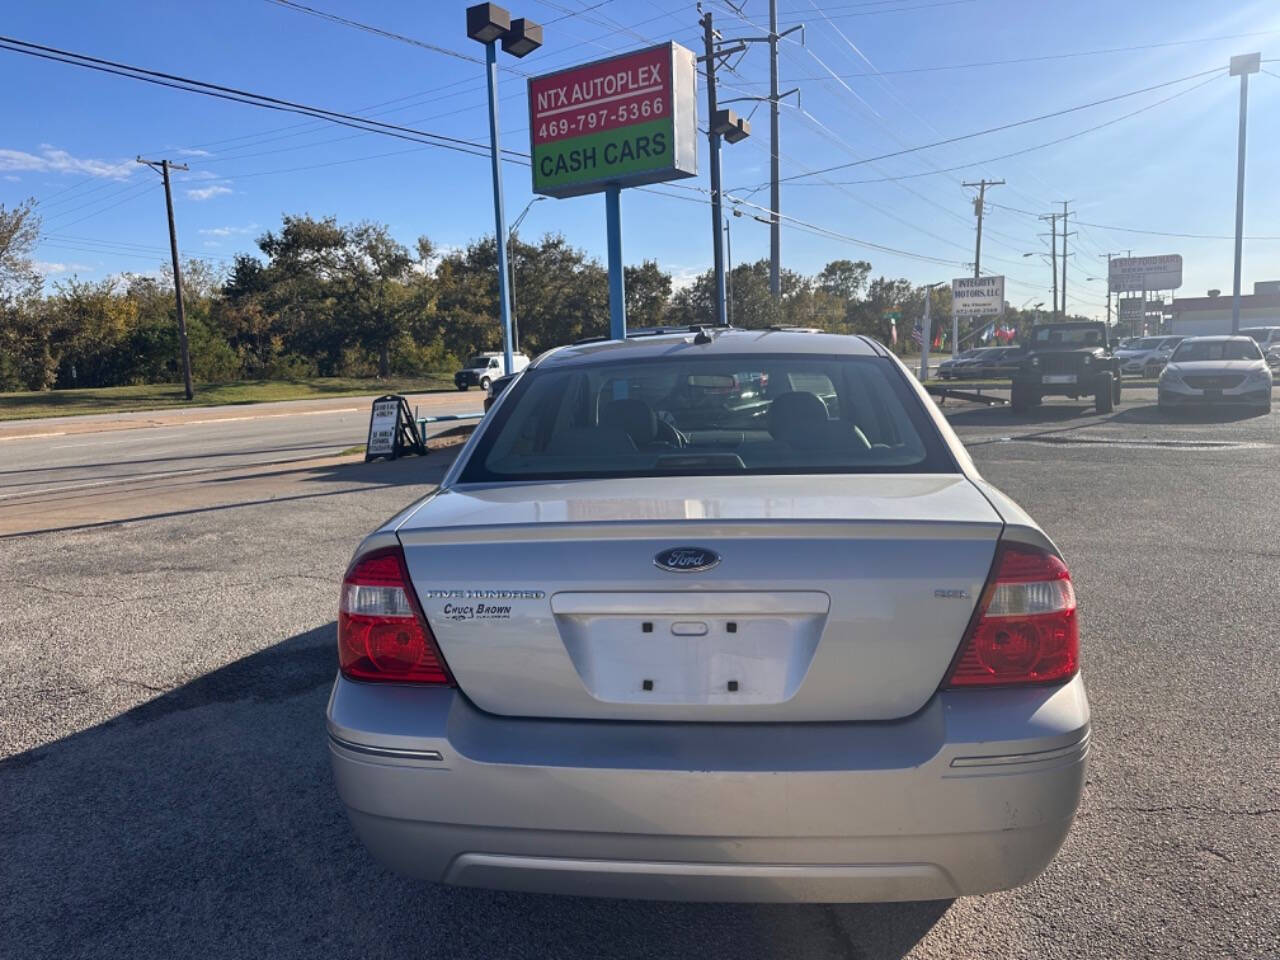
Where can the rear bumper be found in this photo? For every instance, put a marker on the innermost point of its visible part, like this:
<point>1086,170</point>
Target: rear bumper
<point>974,793</point>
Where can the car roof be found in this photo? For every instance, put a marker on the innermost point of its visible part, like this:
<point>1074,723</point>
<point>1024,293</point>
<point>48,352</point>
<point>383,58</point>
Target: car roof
<point>1217,338</point>
<point>1069,323</point>
<point>723,342</point>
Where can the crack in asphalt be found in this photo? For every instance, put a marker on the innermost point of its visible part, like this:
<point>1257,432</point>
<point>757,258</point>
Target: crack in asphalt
<point>113,599</point>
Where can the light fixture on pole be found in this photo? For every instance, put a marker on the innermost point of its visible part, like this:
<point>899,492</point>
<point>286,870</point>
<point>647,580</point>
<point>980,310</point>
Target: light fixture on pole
<point>511,235</point>
<point>489,23</point>
<point>1241,67</point>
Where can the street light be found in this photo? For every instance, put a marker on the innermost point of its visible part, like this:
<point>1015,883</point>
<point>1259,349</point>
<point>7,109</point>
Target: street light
<point>488,23</point>
<point>511,235</point>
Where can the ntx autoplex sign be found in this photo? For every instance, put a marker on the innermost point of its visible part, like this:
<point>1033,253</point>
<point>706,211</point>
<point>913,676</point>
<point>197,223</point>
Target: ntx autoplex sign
<point>628,120</point>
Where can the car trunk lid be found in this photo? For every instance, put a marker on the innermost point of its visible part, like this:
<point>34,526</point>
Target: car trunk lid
<point>839,597</point>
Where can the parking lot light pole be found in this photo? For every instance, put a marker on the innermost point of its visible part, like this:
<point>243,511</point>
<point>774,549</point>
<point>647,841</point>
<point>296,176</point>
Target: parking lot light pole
<point>1241,67</point>
<point>489,23</point>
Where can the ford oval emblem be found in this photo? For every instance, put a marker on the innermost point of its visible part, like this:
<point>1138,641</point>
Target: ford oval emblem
<point>686,559</point>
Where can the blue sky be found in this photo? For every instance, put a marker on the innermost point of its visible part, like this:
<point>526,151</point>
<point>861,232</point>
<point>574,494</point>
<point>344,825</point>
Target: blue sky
<point>69,136</point>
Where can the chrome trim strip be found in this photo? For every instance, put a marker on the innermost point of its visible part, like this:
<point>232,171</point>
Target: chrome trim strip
<point>1015,758</point>
<point>397,753</point>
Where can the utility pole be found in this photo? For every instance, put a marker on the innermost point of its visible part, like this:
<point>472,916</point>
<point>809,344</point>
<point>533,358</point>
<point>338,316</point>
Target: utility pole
<point>717,218</point>
<point>1241,66</point>
<point>775,191</point>
<point>1053,257</point>
<point>1064,258</point>
<point>164,166</point>
<point>726,124</point>
<point>728,255</point>
<point>773,99</point>
<point>1109,256</point>
<point>978,203</point>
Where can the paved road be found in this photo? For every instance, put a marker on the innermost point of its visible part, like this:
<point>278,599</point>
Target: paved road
<point>166,789</point>
<point>73,471</point>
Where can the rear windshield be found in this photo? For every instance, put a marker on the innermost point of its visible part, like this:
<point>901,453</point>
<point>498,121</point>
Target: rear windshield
<point>1217,350</point>
<point>1147,343</point>
<point>710,415</point>
<point>1068,336</point>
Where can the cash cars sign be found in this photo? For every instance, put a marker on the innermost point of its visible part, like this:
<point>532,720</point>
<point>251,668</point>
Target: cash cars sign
<point>627,121</point>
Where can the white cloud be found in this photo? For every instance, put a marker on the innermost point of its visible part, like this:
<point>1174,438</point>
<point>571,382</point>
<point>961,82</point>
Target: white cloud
<point>207,193</point>
<point>12,179</point>
<point>46,267</point>
<point>682,277</point>
<point>228,231</point>
<point>200,175</point>
<point>193,152</point>
<point>52,160</point>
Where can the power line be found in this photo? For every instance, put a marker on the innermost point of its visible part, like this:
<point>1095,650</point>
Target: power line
<point>356,24</point>
<point>936,68</point>
<point>1154,233</point>
<point>1025,150</point>
<point>247,97</point>
<point>1009,126</point>
<point>921,6</point>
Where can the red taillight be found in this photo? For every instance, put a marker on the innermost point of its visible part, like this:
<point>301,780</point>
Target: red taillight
<point>382,635</point>
<point>1025,629</point>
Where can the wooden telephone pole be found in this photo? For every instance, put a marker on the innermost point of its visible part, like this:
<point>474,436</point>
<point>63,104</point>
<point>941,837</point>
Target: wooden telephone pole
<point>978,203</point>
<point>163,167</point>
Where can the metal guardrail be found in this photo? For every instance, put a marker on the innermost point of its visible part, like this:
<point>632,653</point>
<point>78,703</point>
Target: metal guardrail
<point>446,417</point>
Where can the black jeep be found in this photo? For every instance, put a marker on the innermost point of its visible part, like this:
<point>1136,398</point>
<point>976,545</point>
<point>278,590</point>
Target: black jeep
<point>1067,359</point>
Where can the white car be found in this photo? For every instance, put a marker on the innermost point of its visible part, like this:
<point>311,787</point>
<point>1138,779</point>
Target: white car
<point>1146,355</point>
<point>723,615</point>
<point>1216,371</point>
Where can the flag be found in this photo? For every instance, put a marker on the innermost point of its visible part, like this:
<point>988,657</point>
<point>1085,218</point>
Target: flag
<point>917,333</point>
<point>893,316</point>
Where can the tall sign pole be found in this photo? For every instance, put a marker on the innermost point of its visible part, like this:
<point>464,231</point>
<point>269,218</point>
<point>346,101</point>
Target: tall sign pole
<point>164,166</point>
<point>1241,66</point>
<point>617,286</point>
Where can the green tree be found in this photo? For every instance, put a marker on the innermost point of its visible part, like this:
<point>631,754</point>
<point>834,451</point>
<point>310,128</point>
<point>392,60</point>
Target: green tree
<point>648,292</point>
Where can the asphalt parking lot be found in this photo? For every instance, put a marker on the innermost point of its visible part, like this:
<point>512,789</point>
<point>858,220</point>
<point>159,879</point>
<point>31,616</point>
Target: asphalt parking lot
<point>165,791</point>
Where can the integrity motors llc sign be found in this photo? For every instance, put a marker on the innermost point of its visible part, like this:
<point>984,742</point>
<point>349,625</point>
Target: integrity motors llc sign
<point>627,120</point>
<point>977,296</point>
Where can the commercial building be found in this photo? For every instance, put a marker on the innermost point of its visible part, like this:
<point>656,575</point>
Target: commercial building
<point>1202,316</point>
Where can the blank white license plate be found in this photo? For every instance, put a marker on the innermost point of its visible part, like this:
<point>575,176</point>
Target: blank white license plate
<point>1058,378</point>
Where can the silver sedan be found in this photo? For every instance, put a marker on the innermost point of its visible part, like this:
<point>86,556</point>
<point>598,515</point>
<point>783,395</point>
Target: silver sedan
<point>1216,371</point>
<point>725,616</point>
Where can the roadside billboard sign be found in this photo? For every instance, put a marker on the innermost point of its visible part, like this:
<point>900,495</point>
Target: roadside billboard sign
<point>1129,308</point>
<point>978,296</point>
<point>626,120</point>
<point>1127,274</point>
